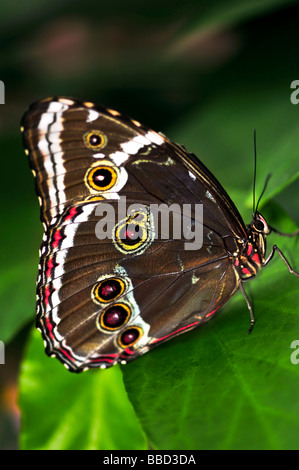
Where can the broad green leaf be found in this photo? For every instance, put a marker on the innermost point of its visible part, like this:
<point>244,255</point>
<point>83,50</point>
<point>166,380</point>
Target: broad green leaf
<point>218,387</point>
<point>61,410</point>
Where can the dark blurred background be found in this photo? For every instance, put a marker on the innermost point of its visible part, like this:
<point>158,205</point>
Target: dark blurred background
<point>205,73</point>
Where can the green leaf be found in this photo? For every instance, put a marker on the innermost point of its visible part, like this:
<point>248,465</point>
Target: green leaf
<point>218,387</point>
<point>61,410</point>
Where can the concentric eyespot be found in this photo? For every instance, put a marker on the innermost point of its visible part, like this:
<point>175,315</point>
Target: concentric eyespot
<point>95,140</point>
<point>108,290</point>
<point>101,177</point>
<point>133,234</point>
<point>130,336</point>
<point>114,317</point>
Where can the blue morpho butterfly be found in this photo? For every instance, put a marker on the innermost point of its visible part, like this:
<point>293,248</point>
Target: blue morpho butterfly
<point>105,302</point>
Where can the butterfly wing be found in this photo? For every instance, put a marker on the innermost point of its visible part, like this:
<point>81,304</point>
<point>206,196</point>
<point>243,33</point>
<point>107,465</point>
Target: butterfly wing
<point>55,136</point>
<point>106,301</point>
<point>158,294</point>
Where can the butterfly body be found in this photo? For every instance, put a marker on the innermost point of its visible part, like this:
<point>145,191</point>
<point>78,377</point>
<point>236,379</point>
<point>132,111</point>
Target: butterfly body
<point>108,301</point>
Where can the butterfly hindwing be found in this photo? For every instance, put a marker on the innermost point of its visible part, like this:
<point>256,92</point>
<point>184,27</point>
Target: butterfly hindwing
<point>83,280</point>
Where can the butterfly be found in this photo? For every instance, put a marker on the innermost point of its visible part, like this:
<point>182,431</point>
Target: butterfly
<point>106,301</point>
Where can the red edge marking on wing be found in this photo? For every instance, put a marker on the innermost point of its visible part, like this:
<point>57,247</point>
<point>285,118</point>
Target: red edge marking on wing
<point>188,326</point>
<point>57,237</point>
<point>211,313</point>
<point>63,351</point>
<point>104,359</point>
<point>47,294</point>
<point>50,265</point>
<point>50,328</point>
<point>171,334</point>
<point>72,213</point>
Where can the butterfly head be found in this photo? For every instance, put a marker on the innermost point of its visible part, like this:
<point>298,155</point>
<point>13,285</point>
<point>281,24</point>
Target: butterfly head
<point>252,256</point>
<point>257,231</point>
<point>259,225</point>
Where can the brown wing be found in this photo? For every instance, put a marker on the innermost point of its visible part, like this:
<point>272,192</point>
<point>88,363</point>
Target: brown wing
<point>105,301</point>
<point>55,134</point>
<point>153,294</point>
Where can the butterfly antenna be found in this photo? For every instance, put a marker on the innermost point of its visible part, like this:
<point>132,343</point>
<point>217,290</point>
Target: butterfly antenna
<point>254,172</point>
<point>263,191</point>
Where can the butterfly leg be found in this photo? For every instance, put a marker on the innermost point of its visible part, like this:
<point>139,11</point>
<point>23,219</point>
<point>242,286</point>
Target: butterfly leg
<point>252,320</point>
<point>276,249</point>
